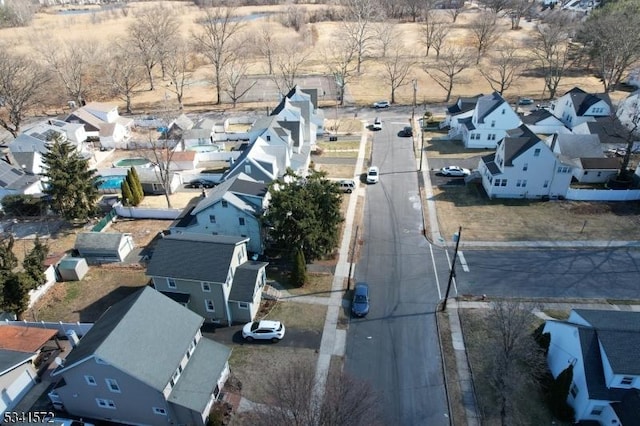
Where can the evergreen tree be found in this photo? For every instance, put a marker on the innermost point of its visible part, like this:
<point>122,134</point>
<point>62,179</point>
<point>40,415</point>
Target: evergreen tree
<point>137,184</point>
<point>127,195</point>
<point>299,271</point>
<point>70,184</point>
<point>15,292</point>
<point>135,196</point>
<point>558,394</point>
<point>34,261</point>
<point>8,260</point>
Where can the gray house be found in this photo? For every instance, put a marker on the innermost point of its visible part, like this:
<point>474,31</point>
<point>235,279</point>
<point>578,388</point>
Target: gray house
<point>144,362</point>
<point>209,274</point>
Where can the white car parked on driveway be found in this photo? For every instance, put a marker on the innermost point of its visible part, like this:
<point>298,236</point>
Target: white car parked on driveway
<point>455,171</point>
<point>263,330</point>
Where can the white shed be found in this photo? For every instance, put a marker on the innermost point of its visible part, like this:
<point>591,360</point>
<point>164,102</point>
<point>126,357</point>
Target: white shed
<point>102,247</point>
<point>72,268</point>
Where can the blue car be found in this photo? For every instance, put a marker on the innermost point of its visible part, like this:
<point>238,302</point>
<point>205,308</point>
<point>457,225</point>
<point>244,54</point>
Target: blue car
<point>360,304</point>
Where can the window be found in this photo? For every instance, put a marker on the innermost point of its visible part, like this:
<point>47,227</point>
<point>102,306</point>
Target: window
<point>586,172</point>
<point>239,257</point>
<point>546,184</point>
<point>599,174</point>
<point>491,137</point>
<point>212,218</point>
<point>597,410</point>
<point>241,221</point>
<point>171,283</point>
<point>574,390</point>
<point>524,183</point>
<point>247,169</point>
<point>208,305</point>
<point>504,182</point>
<point>159,411</point>
<point>518,182</point>
<point>626,381</point>
<point>536,152</point>
<point>268,138</point>
<point>525,167</point>
<point>206,287</point>
<point>113,385</point>
<point>225,204</point>
<point>243,305</point>
<point>498,182</point>
<point>503,111</point>
<point>90,380</point>
<point>493,123</point>
<point>106,403</point>
<point>564,169</point>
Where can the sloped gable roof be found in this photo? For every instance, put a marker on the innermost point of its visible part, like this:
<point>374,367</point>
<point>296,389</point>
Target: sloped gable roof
<point>13,178</point>
<point>143,324</point>
<point>244,281</point>
<point>628,409</point>
<point>593,370</point>
<point>196,257</point>
<point>490,162</point>
<point>463,104</point>
<point>578,146</point>
<point>582,100</point>
<point>538,116</point>
<point>11,359</point>
<point>240,184</point>
<point>517,142</point>
<point>487,104</point>
<point>98,240</point>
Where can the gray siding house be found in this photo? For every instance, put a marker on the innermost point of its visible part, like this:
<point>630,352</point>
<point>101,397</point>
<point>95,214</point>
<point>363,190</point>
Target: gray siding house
<point>209,274</point>
<point>144,362</point>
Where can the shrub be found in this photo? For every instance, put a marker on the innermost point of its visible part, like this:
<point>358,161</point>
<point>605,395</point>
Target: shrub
<point>23,205</point>
<point>299,271</point>
<point>558,393</point>
<point>543,339</point>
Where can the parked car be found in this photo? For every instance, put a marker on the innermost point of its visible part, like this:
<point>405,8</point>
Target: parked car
<point>360,303</point>
<point>373,174</point>
<point>406,132</point>
<point>525,101</point>
<point>201,183</point>
<point>377,124</point>
<point>381,104</point>
<point>263,330</point>
<point>455,171</point>
<point>347,186</point>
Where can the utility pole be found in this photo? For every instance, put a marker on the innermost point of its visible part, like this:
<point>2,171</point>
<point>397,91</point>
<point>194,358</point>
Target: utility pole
<point>421,146</point>
<point>452,273</point>
<point>415,90</point>
<point>353,249</point>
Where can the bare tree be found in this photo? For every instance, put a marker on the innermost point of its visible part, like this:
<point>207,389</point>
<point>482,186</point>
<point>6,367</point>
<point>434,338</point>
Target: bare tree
<point>179,65</point>
<point>287,64</point>
<point>73,64</point>
<point>162,149</point>
<point>551,47</point>
<point>454,8</point>
<point>396,70</point>
<point>215,41</point>
<point>267,45</point>
<point>346,400</point>
<point>22,82</point>
<point>502,68</point>
<point>515,360</point>
<point>496,6</point>
<point>357,26</point>
<point>517,9</point>
<point>154,29</point>
<point>415,7</point>
<point>446,70</point>
<point>339,59</point>
<point>613,40</point>
<point>234,75</point>
<point>16,13</point>
<point>124,74</point>
<point>626,122</point>
<point>386,35</point>
<point>484,32</point>
<point>433,31</point>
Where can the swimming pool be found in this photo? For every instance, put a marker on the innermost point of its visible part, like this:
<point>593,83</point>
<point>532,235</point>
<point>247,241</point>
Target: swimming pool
<point>109,182</point>
<point>136,161</point>
<point>204,148</point>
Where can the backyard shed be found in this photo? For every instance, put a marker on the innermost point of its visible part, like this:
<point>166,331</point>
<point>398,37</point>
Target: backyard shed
<point>102,247</point>
<point>72,268</point>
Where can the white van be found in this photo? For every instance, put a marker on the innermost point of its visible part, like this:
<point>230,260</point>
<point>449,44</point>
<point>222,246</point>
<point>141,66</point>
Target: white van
<point>347,186</point>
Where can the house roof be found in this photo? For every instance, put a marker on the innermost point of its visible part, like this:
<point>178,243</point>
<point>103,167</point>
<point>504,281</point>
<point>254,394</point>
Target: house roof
<point>144,335</point>
<point>537,116</point>
<point>467,122</point>
<point>600,163</point>
<point>240,184</point>
<point>13,178</point>
<point>577,145</point>
<point>608,129</point>
<point>593,370</point>
<point>490,162</point>
<point>98,240</point>
<point>198,257</point>
<point>100,107</point>
<point>582,100</point>
<point>182,122</point>
<point>24,339</point>
<point>628,409</point>
<point>11,359</point>
<point>85,117</point>
<point>517,142</point>
<point>107,129</point>
<point>463,104</point>
<point>200,377</point>
<point>487,104</point>
<point>26,160</point>
<point>244,281</point>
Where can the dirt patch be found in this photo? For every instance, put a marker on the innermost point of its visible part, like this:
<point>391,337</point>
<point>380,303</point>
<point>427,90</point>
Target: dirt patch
<point>458,415</point>
<point>142,230</point>
<point>444,148</point>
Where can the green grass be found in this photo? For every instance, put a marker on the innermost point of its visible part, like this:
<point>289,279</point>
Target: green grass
<point>557,314</point>
<point>73,291</point>
<point>343,144</point>
<point>299,315</point>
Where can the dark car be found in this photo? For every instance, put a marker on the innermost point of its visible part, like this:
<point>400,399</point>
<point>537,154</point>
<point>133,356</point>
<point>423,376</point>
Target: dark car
<point>406,132</point>
<point>201,183</point>
<point>360,304</point>
<point>525,101</point>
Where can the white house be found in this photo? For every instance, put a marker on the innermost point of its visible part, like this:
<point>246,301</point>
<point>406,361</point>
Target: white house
<point>463,108</point>
<point>232,208</point>
<point>577,106</point>
<point>634,78</point>
<point>523,166</point>
<point>488,124</point>
<point>199,134</point>
<point>541,121</point>
<point>629,111</point>
<point>307,101</point>
<point>603,347</point>
<point>102,121</point>
<point>584,153</point>
<point>15,181</point>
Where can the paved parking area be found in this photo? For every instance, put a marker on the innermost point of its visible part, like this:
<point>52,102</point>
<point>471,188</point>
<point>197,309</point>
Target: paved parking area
<point>232,336</point>
<point>437,163</point>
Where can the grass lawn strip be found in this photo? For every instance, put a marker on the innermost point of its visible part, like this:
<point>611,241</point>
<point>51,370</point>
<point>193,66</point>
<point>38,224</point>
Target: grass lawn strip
<point>302,316</point>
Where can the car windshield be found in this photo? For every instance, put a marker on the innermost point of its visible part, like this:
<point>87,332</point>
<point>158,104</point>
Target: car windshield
<point>254,326</point>
<point>360,298</point>
<point>372,172</point>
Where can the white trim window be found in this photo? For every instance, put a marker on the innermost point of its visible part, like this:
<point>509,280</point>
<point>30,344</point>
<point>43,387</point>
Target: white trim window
<point>159,411</point>
<point>208,305</point>
<point>206,286</point>
<point>113,385</point>
<point>106,403</point>
<point>91,380</point>
<point>243,305</point>
<point>171,283</point>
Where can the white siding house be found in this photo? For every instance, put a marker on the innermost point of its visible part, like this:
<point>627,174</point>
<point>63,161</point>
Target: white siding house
<point>577,106</point>
<point>488,124</point>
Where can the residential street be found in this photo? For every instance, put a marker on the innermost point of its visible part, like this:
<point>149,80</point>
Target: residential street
<point>395,347</point>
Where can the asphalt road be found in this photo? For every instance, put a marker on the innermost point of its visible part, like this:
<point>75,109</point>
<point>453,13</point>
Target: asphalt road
<point>547,273</point>
<point>395,348</point>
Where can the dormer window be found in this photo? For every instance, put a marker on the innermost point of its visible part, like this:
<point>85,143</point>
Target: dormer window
<point>268,138</point>
<point>493,123</point>
<point>536,152</point>
<point>503,111</point>
<point>225,204</point>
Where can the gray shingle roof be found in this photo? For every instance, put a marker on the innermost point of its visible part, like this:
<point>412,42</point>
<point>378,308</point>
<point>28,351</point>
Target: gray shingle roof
<point>198,257</point>
<point>10,359</point>
<point>239,185</point>
<point>628,409</point>
<point>490,162</point>
<point>517,142</point>
<point>582,100</point>
<point>244,281</point>
<point>143,325</point>
<point>600,163</point>
<point>487,104</point>
<point>98,240</point>
<point>199,378</point>
<point>537,116</point>
<point>577,146</point>
<point>463,104</point>
<point>593,371</point>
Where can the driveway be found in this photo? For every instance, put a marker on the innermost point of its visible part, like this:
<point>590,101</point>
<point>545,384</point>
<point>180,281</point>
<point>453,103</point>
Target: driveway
<point>232,336</point>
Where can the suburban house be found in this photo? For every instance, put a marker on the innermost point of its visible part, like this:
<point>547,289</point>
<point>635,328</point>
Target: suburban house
<point>611,132</point>
<point>307,101</point>
<point>233,208</point>
<point>209,274</point>
<point>577,106</point>
<point>492,117</point>
<point>103,247</point>
<point>463,108</point>
<point>541,121</point>
<point>179,126</point>
<point>101,121</point>
<point>629,111</point>
<point>584,153</point>
<point>15,181</point>
<point>22,351</point>
<point>151,180</point>
<point>143,362</point>
<point>523,166</point>
<point>199,134</point>
<point>603,347</point>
